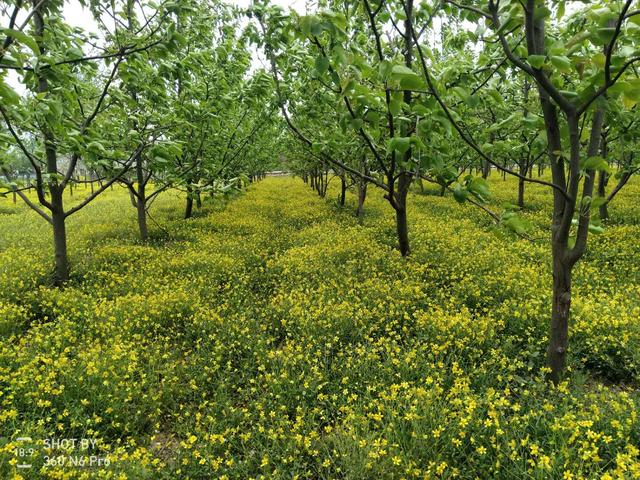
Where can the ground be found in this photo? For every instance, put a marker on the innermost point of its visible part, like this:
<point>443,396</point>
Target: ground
<point>274,337</point>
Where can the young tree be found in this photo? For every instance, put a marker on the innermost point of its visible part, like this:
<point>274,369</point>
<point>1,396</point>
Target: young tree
<point>67,88</point>
<point>619,141</point>
<point>574,76</point>
<point>367,69</point>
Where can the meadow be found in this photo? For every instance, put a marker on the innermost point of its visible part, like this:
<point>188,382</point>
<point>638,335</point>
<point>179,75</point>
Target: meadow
<point>272,336</point>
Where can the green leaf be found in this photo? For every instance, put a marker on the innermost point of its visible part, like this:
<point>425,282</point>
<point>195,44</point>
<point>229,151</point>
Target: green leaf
<point>561,62</point>
<point>384,70</point>
<point>541,13</point>
<point>307,23</point>
<point>373,117</point>
<point>595,163</point>
<point>322,64</point>
<point>561,9</point>
<point>23,38</point>
<point>400,70</point>
<point>356,123</point>
<point>628,103</point>
<point>420,110</point>
<point>460,193</point>
<point>395,107</point>
<point>400,144</point>
<point>75,52</point>
<point>8,95</point>
<point>479,187</point>
<point>348,84</point>
<point>599,60</point>
<point>536,61</point>
<point>604,35</point>
<point>442,119</point>
<point>339,55</point>
<point>596,229</point>
<point>96,147</point>
<point>407,78</point>
<point>577,39</point>
<point>461,93</point>
<point>630,90</point>
<point>337,19</point>
<point>514,223</point>
<point>598,202</point>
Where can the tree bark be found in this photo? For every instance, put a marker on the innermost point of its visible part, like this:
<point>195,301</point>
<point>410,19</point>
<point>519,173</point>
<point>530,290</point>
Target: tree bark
<point>603,179</point>
<point>343,191</point>
<point>486,168</point>
<point>521,192</point>
<point>142,220</point>
<point>561,307</point>
<point>61,274</point>
<point>188,211</point>
<point>402,228</point>
<point>141,201</point>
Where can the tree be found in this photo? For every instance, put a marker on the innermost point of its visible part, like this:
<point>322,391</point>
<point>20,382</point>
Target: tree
<point>67,90</point>
<point>574,77</point>
<point>618,143</point>
<point>376,94</point>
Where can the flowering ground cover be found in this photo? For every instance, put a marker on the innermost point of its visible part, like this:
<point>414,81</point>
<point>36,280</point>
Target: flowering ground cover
<point>275,337</point>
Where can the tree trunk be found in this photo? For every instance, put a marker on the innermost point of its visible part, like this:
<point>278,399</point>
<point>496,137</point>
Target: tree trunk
<point>404,181</point>
<point>141,201</point>
<point>198,200</point>
<point>523,172</point>
<point>402,229</point>
<point>60,246</point>
<point>486,168</point>
<point>603,179</point>
<point>142,220</point>
<point>343,191</point>
<point>61,274</point>
<point>561,306</point>
<point>443,189</point>
<point>188,211</point>
<point>520,192</point>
